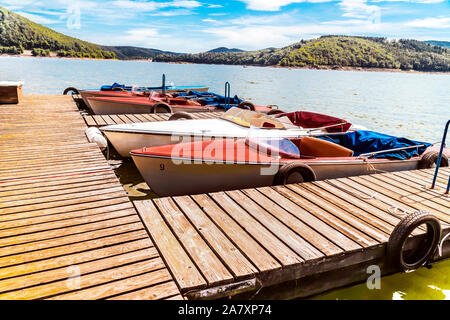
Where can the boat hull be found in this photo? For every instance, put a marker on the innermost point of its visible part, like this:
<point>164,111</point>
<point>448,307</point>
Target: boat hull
<point>165,133</point>
<point>124,142</point>
<point>86,94</point>
<point>167,177</point>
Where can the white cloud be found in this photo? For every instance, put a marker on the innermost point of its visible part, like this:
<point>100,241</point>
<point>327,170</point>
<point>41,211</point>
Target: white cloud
<point>358,9</point>
<point>434,23</point>
<point>274,5</point>
<point>263,36</point>
<point>265,19</point>
<point>153,5</point>
<point>213,6</point>
<point>209,20</point>
<point>139,36</point>
<point>172,13</point>
<point>412,1</point>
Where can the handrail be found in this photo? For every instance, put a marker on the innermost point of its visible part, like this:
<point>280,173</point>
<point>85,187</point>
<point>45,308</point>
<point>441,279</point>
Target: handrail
<point>438,163</point>
<point>227,95</point>
<point>164,84</point>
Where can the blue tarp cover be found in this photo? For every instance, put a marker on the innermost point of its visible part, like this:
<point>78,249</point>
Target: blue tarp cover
<point>115,85</point>
<point>369,141</point>
<point>210,98</point>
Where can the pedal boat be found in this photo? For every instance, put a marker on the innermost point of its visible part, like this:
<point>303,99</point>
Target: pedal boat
<point>227,164</point>
<point>129,92</point>
<point>235,123</point>
<point>156,102</point>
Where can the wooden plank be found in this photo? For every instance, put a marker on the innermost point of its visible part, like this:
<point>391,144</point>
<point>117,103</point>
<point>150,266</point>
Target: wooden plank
<point>88,279</point>
<point>319,241</point>
<point>412,200</point>
<point>124,118</point>
<point>155,292</point>
<point>248,246</point>
<point>205,259</point>
<point>183,269</point>
<point>22,276</point>
<point>90,121</point>
<point>72,248</point>
<point>264,237</point>
<point>353,210</point>
<point>293,204</point>
<point>116,118</point>
<point>133,118</point>
<point>99,120</point>
<point>366,234</point>
<point>254,203</point>
<point>153,277</point>
<point>108,119</point>
<point>329,219</point>
<point>236,262</point>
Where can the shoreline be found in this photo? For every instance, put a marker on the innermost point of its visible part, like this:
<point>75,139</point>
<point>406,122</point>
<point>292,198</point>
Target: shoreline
<point>325,68</point>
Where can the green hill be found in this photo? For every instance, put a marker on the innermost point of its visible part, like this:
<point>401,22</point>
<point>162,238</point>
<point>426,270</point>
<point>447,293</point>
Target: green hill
<point>224,49</point>
<point>129,52</point>
<point>334,52</point>
<point>18,33</point>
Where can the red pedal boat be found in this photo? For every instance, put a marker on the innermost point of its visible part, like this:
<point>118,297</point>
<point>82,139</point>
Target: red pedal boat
<point>226,164</point>
<point>157,103</point>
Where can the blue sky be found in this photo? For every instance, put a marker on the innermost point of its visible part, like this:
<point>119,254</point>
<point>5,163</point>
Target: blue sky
<point>195,26</point>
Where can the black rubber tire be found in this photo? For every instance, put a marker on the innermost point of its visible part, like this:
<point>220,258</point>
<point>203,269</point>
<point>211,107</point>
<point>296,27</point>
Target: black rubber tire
<point>246,105</point>
<point>180,116</point>
<point>401,232</point>
<point>430,159</point>
<point>275,111</point>
<point>282,176</point>
<point>118,89</point>
<point>69,89</point>
<point>161,107</point>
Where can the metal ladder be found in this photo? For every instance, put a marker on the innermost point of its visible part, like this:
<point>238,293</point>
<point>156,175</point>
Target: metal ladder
<point>227,95</point>
<point>438,163</point>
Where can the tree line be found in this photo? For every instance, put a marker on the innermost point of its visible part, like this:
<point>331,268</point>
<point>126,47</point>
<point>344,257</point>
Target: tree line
<point>334,52</point>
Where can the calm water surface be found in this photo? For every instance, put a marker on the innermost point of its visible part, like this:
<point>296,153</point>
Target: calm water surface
<point>414,105</point>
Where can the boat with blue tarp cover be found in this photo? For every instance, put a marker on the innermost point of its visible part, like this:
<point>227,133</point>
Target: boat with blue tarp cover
<point>226,164</point>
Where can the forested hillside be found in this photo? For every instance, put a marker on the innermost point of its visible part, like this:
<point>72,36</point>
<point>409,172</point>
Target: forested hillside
<point>334,52</point>
<point>18,34</point>
<point>129,52</point>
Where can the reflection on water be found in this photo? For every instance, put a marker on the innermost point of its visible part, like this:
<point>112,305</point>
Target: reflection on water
<point>415,105</point>
<point>421,284</point>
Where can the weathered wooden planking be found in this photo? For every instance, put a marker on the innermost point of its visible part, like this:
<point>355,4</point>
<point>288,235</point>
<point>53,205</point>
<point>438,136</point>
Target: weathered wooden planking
<point>288,233</point>
<point>67,228</point>
<point>103,120</point>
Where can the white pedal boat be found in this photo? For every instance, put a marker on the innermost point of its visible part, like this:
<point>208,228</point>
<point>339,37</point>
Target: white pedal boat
<point>235,123</point>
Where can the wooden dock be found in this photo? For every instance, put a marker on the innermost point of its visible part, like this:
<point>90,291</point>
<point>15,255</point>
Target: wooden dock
<point>287,241</point>
<point>67,228</point>
<point>104,120</point>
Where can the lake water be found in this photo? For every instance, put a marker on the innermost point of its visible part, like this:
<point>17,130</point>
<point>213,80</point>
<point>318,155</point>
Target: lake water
<point>414,105</point>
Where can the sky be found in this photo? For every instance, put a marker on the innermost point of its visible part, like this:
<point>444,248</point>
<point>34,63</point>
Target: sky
<point>197,25</point>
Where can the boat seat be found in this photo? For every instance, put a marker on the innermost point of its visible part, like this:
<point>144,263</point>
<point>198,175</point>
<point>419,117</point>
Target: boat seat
<point>314,147</point>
